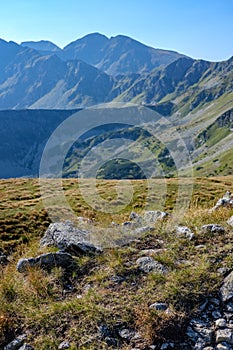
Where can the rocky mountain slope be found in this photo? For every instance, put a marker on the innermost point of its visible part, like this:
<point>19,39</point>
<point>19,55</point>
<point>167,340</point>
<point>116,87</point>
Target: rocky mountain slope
<point>192,94</point>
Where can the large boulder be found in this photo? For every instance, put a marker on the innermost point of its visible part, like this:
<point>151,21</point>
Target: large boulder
<point>67,238</point>
<point>46,261</point>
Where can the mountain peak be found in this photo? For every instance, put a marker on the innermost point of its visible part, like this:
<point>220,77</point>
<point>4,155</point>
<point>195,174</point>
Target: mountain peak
<point>42,45</point>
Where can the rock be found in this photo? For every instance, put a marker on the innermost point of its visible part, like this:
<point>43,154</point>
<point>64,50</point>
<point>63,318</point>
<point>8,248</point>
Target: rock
<point>230,221</point>
<point>159,306</point>
<point>224,335</point>
<point>26,347</point>
<point>225,201</point>
<point>223,346</point>
<point>16,343</point>
<point>226,291</point>
<point>184,232</point>
<point>148,264</point>
<point>126,333</point>
<point>64,345</point>
<point>152,216</point>
<point>69,239</point>
<point>213,228</point>
<point>135,217</point>
<point>46,261</point>
<point>220,323</point>
<point>3,260</point>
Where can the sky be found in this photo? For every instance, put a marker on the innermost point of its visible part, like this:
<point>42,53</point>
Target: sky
<point>198,28</point>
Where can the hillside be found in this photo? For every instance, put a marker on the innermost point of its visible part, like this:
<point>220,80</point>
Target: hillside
<point>95,69</point>
<point>177,298</point>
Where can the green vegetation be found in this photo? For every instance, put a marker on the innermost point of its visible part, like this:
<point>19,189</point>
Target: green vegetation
<point>36,302</point>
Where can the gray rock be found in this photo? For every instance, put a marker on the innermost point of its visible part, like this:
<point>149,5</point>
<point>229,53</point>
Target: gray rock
<point>225,201</point>
<point>184,232</point>
<point>26,347</point>
<point>224,346</point>
<point>220,323</point>
<point>64,345</point>
<point>16,343</point>
<point>226,291</point>
<point>126,333</point>
<point>152,216</point>
<point>69,239</point>
<point>159,306</point>
<point>224,335</point>
<point>46,261</point>
<point>213,228</point>
<point>148,264</point>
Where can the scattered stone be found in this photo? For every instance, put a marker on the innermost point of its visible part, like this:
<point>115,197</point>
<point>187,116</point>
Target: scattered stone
<point>224,346</point>
<point>226,291</point>
<point>224,335</point>
<point>148,264</point>
<point>221,323</point>
<point>46,261</point>
<point>213,228</point>
<point>225,201</point>
<point>16,343</point>
<point>26,347</point>
<point>69,239</point>
<point>184,232</point>
<point>152,216</point>
<point>159,306</point>
<point>126,333</point>
<point>64,345</point>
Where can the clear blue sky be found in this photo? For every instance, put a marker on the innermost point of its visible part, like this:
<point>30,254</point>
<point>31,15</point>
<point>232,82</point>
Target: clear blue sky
<point>198,28</point>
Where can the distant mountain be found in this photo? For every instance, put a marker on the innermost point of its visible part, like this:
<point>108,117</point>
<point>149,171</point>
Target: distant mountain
<point>118,55</point>
<point>43,46</point>
<point>31,80</point>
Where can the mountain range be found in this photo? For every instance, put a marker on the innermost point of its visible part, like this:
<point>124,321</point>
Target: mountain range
<point>40,76</point>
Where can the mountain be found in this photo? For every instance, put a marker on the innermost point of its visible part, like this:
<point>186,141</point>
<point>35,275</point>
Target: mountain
<point>44,47</point>
<point>37,81</point>
<point>29,79</point>
<point>118,55</point>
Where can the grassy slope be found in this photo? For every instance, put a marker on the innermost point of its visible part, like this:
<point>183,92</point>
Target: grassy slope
<point>36,301</point>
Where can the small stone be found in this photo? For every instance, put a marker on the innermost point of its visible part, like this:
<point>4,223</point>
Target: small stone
<point>224,346</point>
<point>148,264</point>
<point>126,334</point>
<point>26,347</point>
<point>224,335</point>
<point>64,345</point>
<point>152,216</point>
<point>159,306</point>
<point>16,343</point>
<point>220,323</point>
<point>213,228</point>
<point>184,232</point>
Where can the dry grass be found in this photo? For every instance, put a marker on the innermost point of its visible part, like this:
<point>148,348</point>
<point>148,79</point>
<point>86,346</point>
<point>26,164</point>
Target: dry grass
<point>36,302</point>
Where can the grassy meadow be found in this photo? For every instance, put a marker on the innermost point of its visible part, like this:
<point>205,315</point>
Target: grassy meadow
<point>38,303</point>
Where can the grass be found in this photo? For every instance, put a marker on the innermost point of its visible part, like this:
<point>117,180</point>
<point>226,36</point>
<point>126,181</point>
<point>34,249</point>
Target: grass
<point>109,290</point>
